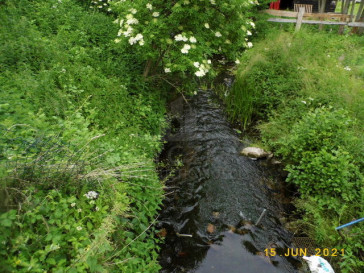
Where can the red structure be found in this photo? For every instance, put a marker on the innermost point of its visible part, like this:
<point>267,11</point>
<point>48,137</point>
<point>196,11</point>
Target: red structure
<point>274,5</point>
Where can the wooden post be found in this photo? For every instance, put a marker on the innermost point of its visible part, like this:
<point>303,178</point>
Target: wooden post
<point>299,18</point>
<point>345,10</point>
<point>352,11</point>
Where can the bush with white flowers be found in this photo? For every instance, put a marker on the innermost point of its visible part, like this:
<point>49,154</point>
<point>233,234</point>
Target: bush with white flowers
<point>175,36</point>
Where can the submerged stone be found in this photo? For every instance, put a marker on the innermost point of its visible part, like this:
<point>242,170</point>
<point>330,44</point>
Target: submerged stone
<point>254,152</point>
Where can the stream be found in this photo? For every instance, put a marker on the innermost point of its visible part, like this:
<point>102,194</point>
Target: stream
<point>215,198</point>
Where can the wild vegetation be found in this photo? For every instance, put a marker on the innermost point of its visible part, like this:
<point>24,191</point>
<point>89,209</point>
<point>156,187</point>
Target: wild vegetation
<point>82,111</point>
<point>304,92</point>
<point>80,129</point>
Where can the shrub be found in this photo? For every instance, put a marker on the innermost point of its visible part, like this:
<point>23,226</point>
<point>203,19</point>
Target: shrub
<point>182,36</point>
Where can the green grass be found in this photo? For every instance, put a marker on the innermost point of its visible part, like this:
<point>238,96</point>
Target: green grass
<point>304,93</point>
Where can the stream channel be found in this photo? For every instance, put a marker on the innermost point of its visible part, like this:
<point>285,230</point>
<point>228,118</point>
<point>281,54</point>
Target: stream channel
<point>214,200</point>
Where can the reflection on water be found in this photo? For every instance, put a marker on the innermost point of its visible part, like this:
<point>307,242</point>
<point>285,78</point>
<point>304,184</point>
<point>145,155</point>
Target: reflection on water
<point>216,197</point>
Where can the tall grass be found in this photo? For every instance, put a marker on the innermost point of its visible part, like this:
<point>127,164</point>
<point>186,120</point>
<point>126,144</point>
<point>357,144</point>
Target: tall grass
<point>305,93</point>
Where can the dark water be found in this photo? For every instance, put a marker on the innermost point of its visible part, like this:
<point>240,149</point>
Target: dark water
<point>216,197</point>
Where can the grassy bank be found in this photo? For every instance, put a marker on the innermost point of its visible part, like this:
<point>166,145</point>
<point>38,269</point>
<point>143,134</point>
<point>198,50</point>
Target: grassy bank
<point>305,94</point>
<point>79,132</point>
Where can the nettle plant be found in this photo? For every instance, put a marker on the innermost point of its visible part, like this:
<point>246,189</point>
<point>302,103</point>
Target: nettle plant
<point>183,36</point>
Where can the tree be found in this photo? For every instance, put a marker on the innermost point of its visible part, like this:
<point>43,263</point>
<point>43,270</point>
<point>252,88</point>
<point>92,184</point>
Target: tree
<point>183,36</point>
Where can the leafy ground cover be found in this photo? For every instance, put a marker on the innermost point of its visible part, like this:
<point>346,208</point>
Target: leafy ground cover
<point>305,92</point>
<point>79,133</point>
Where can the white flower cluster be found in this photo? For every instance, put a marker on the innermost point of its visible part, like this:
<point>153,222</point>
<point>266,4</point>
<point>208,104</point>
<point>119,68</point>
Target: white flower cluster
<point>149,6</point>
<point>130,20</point>
<point>127,30</point>
<point>91,195</point>
<point>186,48</point>
<point>202,68</point>
<point>213,2</point>
<point>138,38</point>
<point>99,4</point>
<point>133,11</point>
<point>180,37</point>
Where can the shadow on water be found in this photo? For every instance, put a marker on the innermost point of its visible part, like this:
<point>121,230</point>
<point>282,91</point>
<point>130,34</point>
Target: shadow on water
<point>214,200</point>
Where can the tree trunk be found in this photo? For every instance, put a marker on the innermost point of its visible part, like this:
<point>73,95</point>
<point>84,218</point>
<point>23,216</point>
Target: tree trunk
<point>147,68</point>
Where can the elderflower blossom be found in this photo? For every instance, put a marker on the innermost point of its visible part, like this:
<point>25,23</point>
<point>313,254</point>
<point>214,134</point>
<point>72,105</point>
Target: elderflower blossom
<point>149,6</point>
<point>97,208</point>
<point>91,195</point>
<point>137,38</point>
<point>79,228</point>
<point>193,39</point>
<point>132,21</point>
<point>155,14</point>
<point>133,11</point>
<point>250,44</point>
<point>347,68</point>
<point>207,25</point>
<point>203,69</point>
<point>185,48</point>
<point>196,64</point>
<point>218,34</point>
<point>167,70</point>
<point>73,205</point>
<point>213,2</point>
<point>209,61</point>
<point>128,32</point>
<point>180,37</point>
<point>200,73</point>
<point>252,24</point>
<point>248,33</point>
<point>237,61</point>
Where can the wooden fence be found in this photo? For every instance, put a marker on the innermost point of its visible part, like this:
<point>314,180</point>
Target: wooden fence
<point>344,19</point>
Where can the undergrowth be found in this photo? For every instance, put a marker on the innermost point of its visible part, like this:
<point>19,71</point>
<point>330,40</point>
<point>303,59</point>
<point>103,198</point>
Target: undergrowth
<point>79,132</point>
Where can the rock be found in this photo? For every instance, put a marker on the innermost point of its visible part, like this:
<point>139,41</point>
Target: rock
<point>210,228</point>
<point>275,162</point>
<point>254,152</point>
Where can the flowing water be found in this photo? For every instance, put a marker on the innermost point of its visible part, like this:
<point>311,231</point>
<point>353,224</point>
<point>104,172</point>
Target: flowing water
<point>215,198</point>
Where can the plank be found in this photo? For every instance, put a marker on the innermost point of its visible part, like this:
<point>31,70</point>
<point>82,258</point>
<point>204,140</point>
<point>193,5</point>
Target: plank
<point>313,22</point>
<point>293,14</point>
<point>356,24</point>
